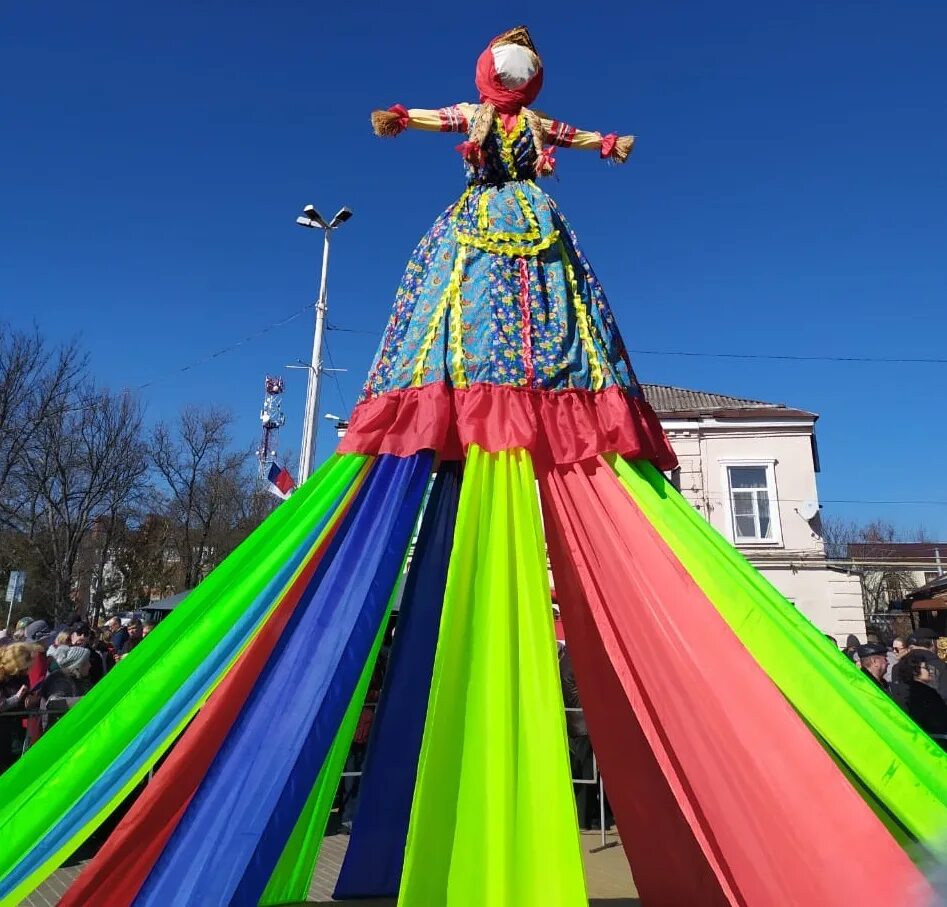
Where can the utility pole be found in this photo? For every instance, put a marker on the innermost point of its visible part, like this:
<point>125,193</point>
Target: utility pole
<point>312,219</point>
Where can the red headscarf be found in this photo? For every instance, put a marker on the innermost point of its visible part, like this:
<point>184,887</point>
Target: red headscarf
<point>493,91</point>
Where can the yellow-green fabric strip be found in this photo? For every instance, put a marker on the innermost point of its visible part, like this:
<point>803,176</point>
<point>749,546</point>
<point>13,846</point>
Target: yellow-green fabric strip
<point>493,819</point>
<point>890,755</point>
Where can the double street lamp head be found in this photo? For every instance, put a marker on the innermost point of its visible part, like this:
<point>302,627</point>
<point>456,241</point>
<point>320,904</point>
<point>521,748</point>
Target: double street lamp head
<point>312,218</point>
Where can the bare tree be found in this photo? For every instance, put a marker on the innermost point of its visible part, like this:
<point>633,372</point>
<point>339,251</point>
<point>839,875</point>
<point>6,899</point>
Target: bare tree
<point>883,579</point>
<point>143,555</point>
<point>36,384</point>
<point>837,535</point>
<point>84,463</point>
<point>206,482</point>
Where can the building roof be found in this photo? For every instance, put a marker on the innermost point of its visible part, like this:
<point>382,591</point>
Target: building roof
<point>935,590</point>
<point>679,401</point>
<point>908,552</point>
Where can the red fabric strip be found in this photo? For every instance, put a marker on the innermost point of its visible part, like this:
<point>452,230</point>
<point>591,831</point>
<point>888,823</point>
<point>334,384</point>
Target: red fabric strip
<point>666,855</point>
<point>117,872</point>
<point>558,426</point>
<point>723,811</point>
<point>526,321</point>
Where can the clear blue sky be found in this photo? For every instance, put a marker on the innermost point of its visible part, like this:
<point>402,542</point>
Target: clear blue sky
<point>788,195</point>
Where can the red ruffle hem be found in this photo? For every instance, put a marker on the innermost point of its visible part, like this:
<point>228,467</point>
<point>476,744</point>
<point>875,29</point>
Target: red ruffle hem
<point>554,426</point>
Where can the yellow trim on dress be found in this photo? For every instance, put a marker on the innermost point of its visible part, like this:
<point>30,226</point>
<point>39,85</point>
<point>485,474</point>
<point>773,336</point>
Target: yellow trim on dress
<point>506,248</point>
<point>583,321</point>
<point>454,289</point>
<point>504,242</point>
<point>449,298</point>
<point>507,140</point>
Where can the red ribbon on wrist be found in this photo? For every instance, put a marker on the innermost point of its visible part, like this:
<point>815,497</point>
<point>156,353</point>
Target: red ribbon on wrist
<point>546,162</point>
<point>403,116</point>
<point>608,144</point>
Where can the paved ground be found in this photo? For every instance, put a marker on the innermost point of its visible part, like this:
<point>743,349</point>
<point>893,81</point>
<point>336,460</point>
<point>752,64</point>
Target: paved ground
<point>606,870</point>
<point>609,880</point>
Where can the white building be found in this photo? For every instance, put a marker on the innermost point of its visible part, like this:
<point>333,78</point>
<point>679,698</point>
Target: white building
<point>750,468</point>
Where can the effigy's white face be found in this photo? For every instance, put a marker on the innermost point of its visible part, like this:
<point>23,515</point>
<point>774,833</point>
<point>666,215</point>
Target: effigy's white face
<point>515,65</point>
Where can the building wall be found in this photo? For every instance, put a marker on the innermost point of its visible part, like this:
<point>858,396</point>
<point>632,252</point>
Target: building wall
<point>794,562</point>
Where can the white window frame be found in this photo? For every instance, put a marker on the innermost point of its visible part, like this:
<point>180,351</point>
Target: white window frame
<point>770,466</point>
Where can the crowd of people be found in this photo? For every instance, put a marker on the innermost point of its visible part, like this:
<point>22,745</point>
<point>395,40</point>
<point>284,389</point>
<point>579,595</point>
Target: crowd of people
<point>913,672</point>
<point>44,670</point>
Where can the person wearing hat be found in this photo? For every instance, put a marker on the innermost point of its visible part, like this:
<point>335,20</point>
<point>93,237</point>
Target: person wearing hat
<point>922,642</point>
<point>873,658</point>
<point>19,631</point>
<point>39,631</point>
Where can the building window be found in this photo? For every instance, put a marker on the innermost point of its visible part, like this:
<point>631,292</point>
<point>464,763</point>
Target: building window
<point>753,503</point>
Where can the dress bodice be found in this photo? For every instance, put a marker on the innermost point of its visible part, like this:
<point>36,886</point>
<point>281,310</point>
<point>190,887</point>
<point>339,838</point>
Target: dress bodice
<point>505,156</point>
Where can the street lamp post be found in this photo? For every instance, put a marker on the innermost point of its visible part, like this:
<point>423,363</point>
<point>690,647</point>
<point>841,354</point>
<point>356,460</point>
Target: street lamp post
<point>312,219</point>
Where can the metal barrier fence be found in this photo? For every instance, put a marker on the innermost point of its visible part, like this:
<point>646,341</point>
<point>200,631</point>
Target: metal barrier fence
<point>596,778</point>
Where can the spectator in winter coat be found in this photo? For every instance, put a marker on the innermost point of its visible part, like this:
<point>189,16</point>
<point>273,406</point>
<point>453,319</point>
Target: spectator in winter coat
<point>873,658</point>
<point>922,702</point>
<point>84,636</point>
<point>119,634</point>
<point>16,660</point>
<point>921,642</point>
<point>68,676</point>
<point>588,805</point>
<point>135,636</point>
<point>851,646</point>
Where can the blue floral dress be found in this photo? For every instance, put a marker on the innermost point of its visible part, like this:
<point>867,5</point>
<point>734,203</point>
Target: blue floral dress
<point>497,291</point>
<point>499,320</point>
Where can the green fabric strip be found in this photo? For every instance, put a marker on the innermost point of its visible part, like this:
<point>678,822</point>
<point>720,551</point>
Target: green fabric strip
<point>881,746</point>
<point>61,767</point>
<point>493,819</point>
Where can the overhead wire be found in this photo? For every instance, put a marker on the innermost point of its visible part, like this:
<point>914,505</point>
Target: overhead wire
<point>645,352</point>
<point>334,373</point>
<point>228,349</point>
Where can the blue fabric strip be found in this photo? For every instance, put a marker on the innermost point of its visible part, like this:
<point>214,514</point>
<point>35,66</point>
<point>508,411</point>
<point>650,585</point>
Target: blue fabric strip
<point>165,721</point>
<point>228,841</point>
<point>372,866</point>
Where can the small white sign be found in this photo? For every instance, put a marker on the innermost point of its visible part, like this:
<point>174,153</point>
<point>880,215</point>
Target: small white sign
<point>15,586</point>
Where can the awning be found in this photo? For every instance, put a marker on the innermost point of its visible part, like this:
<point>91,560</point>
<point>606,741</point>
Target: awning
<point>167,604</point>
